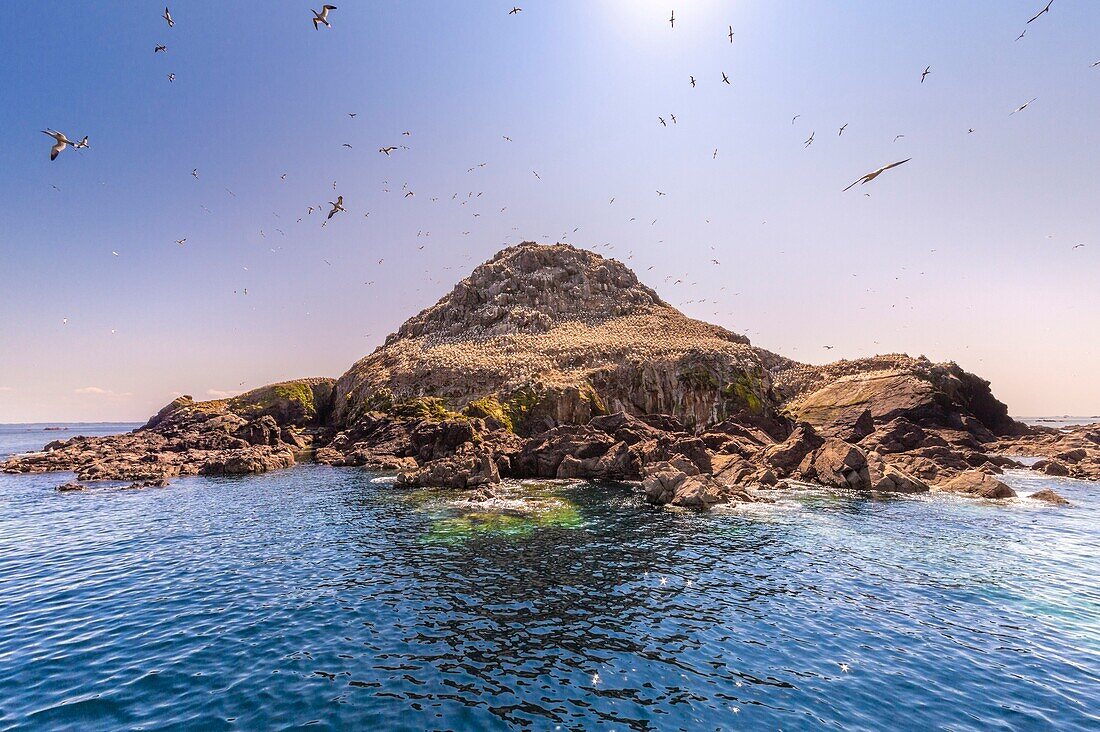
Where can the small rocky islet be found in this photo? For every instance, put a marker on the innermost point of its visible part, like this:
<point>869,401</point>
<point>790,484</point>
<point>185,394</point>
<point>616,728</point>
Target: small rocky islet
<point>550,361</point>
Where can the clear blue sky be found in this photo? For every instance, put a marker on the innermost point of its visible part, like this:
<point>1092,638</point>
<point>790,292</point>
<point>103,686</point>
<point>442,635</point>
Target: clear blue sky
<point>964,253</point>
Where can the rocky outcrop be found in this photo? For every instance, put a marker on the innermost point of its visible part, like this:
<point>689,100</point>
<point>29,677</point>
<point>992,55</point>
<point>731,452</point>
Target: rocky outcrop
<point>837,464</point>
<point>888,478</point>
<point>242,435</point>
<point>468,468</point>
<point>977,484</point>
<point>1072,452</point>
<point>895,386</point>
<point>679,483</point>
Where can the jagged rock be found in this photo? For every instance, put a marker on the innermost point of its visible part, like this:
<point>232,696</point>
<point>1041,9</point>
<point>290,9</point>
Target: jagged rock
<point>887,478</point>
<point>71,487</point>
<point>837,464</point>
<point>627,428</point>
<point>899,435</point>
<point>1048,495</point>
<point>251,460</point>
<point>1051,467</point>
<point>978,484</point>
<point>618,463</point>
<point>262,431</point>
<point>432,440</point>
<point>541,456</point>
<point>292,437</point>
<point>467,469</point>
<point>667,483</point>
<point>851,425</point>
<point>666,447</point>
<point>786,456</point>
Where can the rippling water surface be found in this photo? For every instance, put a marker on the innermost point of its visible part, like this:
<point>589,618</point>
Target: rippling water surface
<point>322,597</point>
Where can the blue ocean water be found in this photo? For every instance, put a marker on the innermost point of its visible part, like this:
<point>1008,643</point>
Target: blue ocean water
<point>323,598</point>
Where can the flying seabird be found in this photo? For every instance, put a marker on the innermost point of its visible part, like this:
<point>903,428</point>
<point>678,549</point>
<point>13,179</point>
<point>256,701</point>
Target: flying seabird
<point>61,142</point>
<point>842,129</point>
<point>160,49</point>
<point>515,11</point>
<point>731,34</point>
<point>662,121</point>
<point>794,118</point>
<point>926,72</point>
<point>672,19</point>
<point>322,17</point>
<point>181,241</point>
<point>387,150</point>
<point>337,205</point>
<point>171,77</point>
<point>1022,34</point>
<point>168,17</point>
<point>1044,10</point>
<point>195,173</point>
<point>692,82</point>
<point>876,173</point>
<point>1023,106</point>
<point>725,78</point>
<point>810,139</point>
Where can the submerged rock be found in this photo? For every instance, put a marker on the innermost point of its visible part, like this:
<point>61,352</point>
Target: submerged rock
<point>1048,495</point>
<point>71,487</point>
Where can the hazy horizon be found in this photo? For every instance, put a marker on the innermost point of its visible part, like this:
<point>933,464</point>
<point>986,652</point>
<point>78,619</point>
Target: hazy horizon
<point>965,253</point>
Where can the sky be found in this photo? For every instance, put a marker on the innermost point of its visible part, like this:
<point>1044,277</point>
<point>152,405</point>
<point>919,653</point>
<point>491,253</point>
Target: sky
<point>965,253</point>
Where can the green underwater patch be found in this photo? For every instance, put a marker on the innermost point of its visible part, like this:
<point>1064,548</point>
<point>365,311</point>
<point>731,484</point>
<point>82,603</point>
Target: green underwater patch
<point>522,510</point>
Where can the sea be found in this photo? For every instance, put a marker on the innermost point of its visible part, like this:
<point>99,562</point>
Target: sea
<point>323,598</point>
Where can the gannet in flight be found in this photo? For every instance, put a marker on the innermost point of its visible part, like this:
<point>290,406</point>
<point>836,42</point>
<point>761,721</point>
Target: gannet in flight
<point>876,173</point>
<point>322,17</point>
<point>337,205</point>
<point>168,17</point>
<point>61,142</point>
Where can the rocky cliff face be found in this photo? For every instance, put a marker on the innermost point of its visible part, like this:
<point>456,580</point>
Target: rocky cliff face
<point>544,335</point>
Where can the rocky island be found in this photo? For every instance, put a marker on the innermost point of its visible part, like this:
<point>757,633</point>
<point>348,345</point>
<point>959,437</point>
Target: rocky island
<point>550,361</point>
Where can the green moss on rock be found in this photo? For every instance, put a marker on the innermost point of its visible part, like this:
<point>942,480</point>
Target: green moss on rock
<point>745,391</point>
<point>489,408</point>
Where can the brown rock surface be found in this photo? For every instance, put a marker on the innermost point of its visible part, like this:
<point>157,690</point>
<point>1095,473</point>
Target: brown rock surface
<point>977,484</point>
<point>1048,495</point>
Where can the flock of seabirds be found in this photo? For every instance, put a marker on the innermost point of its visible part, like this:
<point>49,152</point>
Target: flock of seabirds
<point>322,18</point>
